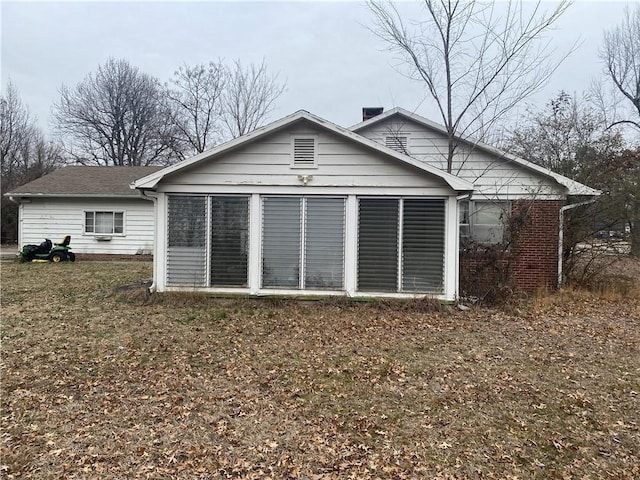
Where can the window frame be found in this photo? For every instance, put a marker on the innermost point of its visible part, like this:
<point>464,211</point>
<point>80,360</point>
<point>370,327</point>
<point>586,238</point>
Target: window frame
<point>467,221</point>
<point>113,232</point>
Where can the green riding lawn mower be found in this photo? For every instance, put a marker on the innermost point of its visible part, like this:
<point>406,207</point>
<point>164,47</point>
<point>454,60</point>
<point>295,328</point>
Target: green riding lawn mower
<point>48,252</point>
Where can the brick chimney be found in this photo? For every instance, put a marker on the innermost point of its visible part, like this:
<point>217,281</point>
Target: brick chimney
<point>370,112</point>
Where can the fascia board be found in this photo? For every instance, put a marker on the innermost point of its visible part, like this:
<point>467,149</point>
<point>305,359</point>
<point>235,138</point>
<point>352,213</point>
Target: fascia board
<point>69,195</point>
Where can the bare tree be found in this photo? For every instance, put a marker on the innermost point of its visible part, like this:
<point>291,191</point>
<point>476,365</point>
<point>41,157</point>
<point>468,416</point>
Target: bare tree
<point>115,117</point>
<point>16,128</point>
<point>477,60</point>
<point>24,154</point>
<point>249,97</point>
<point>195,106</point>
<point>620,53</point>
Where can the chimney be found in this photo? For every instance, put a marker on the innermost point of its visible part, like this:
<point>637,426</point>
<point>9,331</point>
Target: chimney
<point>370,112</point>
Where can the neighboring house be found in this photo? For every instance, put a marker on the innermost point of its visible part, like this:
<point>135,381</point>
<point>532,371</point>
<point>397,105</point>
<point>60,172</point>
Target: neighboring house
<point>95,205</point>
<point>303,206</point>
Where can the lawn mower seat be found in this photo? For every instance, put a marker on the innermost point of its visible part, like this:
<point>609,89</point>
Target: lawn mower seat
<point>44,247</point>
<point>65,242</point>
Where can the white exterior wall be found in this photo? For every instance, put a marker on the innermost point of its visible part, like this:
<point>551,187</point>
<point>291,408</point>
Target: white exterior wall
<point>54,218</point>
<point>268,163</point>
<point>493,177</point>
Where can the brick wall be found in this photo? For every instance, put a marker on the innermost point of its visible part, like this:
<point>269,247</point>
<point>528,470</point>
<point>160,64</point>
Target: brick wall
<point>529,264</point>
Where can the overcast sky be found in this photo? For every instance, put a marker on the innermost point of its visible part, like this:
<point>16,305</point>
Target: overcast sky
<point>332,65</point>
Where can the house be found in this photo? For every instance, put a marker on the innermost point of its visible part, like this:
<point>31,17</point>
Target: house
<point>505,187</point>
<point>305,207</point>
<point>92,204</point>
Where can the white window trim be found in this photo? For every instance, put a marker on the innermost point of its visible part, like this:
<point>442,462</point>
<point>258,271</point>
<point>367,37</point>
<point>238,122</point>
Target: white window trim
<point>315,152</point>
<point>104,235</point>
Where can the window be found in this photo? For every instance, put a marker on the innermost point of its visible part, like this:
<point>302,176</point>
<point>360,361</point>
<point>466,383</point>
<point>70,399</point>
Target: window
<point>304,152</point>
<point>104,223</point>
<point>483,222</point>
<point>401,245</point>
<point>187,240</point>
<point>229,241</point>
<point>303,242</point>
<point>198,224</point>
<point>399,143</point>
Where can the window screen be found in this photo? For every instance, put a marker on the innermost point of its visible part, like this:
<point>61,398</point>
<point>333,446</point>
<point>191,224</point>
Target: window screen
<point>324,243</point>
<point>378,244</point>
<point>281,235</point>
<point>422,245</point>
<point>229,240</point>
<point>186,242</point>
<point>401,245</point>
<point>303,243</point>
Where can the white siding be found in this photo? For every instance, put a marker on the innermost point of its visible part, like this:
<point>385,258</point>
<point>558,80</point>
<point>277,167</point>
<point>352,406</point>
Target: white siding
<point>493,177</point>
<point>268,163</point>
<point>54,218</point>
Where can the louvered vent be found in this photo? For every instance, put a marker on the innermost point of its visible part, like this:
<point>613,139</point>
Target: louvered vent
<point>397,143</point>
<point>304,152</point>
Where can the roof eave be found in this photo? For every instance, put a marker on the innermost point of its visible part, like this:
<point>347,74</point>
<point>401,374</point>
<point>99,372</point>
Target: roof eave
<point>70,195</point>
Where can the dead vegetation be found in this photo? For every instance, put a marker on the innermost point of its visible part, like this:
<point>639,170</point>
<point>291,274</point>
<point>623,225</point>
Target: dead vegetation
<point>97,384</point>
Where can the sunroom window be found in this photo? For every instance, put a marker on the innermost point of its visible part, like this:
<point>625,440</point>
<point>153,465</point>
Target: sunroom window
<point>187,240</point>
<point>303,243</point>
<point>201,224</point>
<point>401,245</point>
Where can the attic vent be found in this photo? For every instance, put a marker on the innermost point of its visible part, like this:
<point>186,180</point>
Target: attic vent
<point>397,143</point>
<point>304,152</point>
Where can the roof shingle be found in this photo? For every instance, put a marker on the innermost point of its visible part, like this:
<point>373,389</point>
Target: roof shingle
<point>86,181</point>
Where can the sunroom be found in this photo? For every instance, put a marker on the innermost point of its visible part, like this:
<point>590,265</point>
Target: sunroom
<point>358,219</point>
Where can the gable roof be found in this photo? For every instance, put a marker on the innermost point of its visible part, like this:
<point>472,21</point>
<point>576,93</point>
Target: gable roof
<point>81,181</point>
<point>573,187</point>
<point>152,180</point>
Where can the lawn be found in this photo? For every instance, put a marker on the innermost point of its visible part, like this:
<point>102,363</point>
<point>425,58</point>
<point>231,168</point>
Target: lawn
<point>112,385</point>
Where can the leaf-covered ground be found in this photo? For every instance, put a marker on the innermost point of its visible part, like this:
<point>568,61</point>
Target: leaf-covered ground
<point>97,384</point>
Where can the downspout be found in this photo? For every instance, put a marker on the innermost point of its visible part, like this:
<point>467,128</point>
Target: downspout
<point>154,199</point>
<point>561,234</point>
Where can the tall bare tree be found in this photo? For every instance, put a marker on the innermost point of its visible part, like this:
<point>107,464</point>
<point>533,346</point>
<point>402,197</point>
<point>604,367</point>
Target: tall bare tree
<point>195,98</point>
<point>620,53</point>
<point>476,59</point>
<point>115,117</point>
<point>249,97</point>
<point>24,154</point>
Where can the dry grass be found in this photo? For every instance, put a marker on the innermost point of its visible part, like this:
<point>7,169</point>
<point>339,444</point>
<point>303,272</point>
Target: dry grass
<point>104,385</point>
